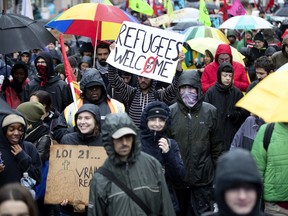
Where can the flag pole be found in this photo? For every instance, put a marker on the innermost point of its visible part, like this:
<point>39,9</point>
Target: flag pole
<point>95,45</point>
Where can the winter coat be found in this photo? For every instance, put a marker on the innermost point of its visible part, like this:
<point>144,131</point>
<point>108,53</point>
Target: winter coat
<point>141,172</point>
<point>246,134</point>
<point>27,160</point>
<point>135,100</point>
<point>171,161</point>
<point>273,163</point>
<point>280,58</point>
<point>233,169</point>
<point>58,89</point>
<point>224,99</point>
<point>197,134</point>
<point>209,76</point>
<point>77,138</point>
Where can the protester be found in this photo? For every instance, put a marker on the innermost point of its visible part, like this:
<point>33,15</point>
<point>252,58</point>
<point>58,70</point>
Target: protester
<point>224,54</point>
<point>25,57</point>
<point>137,98</point>
<point>13,89</point>
<point>140,172</point>
<point>19,156</point>
<point>88,133</point>
<point>281,57</point>
<point>194,127</point>
<point>246,134</point>
<point>86,49</point>
<point>102,53</point>
<point>15,200</point>
<point>93,92</point>
<point>273,166</point>
<point>231,36</point>
<point>85,62</point>
<point>47,80</point>
<point>224,95</point>
<point>208,58</point>
<point>246,41</point>
<point>155,121</point>
<point>263,67</point>
<point>51,114</point>
<point>238,185</point>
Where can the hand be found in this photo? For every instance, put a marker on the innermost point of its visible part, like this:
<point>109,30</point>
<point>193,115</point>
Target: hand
<point>163,145</point>
<point>16,149</point>
<point>181,59</point>
<point>112,46</point>
<point>64,202</point>
<point>2,167</point>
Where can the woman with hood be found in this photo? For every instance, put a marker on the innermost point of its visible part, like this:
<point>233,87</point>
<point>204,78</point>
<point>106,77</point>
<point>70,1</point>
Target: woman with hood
<point>224,95</point>
<point>18,156</point>
<point>155,121</point>
<point>88,132</point>
<point>238,185</point>
<point>14,90</point>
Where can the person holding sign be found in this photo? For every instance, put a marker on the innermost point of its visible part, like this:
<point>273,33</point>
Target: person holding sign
<point>139,172</point>
<point>88,128</point>
<point>136,98</point>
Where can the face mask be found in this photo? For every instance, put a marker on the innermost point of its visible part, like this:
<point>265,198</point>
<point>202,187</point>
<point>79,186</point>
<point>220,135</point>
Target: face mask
<point>189,98</point>
<point>42,71</point>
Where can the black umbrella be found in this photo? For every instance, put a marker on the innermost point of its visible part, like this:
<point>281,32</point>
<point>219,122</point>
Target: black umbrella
<point>20,33</point>
<point>5,108</point>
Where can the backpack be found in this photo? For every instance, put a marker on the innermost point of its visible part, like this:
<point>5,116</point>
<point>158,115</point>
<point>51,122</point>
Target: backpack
<point>267,135</point>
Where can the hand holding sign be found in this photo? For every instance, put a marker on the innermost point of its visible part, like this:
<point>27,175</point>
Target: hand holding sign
<point>181,59</point>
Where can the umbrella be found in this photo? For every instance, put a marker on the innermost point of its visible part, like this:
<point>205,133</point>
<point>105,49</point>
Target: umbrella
<point>201,44</point>
<point>20,33</point>
<point>269,98</point>
<point>283,67</point>
<point>185,14</point>
<point>94,20</point>
<point>203,32</point>
<point>246,22</point>
<point>182,26</point>
<point>282,12</point>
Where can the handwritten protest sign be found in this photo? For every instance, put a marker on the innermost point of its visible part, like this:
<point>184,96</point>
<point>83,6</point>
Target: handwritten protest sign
<point>71,167</point>
<point>160,20</point>
<point>147,51</point>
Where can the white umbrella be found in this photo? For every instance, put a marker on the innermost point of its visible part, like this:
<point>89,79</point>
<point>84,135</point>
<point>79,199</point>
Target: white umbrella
<point>246,22</point>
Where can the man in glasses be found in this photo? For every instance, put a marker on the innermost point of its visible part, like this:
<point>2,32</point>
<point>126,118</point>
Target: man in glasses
<point>224,54</point>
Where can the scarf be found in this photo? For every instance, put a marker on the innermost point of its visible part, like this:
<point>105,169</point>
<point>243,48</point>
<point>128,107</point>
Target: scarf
<point>102,69</point>
<point>189,98</point>
<point>42,74</point>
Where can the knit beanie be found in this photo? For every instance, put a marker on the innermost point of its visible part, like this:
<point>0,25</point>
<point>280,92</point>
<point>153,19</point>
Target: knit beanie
<point>259,36</point>
<point>11,119</point>
<point>32,111</point>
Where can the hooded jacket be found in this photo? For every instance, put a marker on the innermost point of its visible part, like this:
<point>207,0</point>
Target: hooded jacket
<point>196,131</point>
<point>209,76</point>
<point>77,138</point>
<point>57,88</point>
<point>280,58</point>
<point>171,161</point>
<point>141,173</point>
<point>14,91</point>
<point>27,160</point>
<point>235,168</point>
<point>224,99</point>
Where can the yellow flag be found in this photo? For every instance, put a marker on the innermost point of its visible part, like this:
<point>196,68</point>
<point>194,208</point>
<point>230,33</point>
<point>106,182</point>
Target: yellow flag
<point>204,14</point>
<point>141,6</point>
<point>169,8</point>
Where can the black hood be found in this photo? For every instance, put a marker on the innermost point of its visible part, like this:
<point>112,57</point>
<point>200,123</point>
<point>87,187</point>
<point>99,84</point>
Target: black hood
<point>49,61</point>
<point>92,75</point>
<point>220,69</point>
<point>18,65</point>
<point>235,168</point>
<point>93,109</point>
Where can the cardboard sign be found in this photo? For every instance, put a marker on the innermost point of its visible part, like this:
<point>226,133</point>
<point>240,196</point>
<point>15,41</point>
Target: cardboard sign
<point>71,167</point>
<point>147,51</point>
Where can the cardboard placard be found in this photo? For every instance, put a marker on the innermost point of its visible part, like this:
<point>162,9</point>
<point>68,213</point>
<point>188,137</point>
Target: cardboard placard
<point>71,167</point>
<point>147,51</point>
<point>160,20</point>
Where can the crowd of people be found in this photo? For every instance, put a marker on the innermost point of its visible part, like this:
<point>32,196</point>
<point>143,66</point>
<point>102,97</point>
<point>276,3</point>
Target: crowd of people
<point>180,149</point>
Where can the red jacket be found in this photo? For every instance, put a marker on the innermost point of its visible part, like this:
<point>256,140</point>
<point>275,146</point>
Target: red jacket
<point>209,76</point>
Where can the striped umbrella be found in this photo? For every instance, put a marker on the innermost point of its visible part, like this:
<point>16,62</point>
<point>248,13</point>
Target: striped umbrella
<point>204,32</point>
